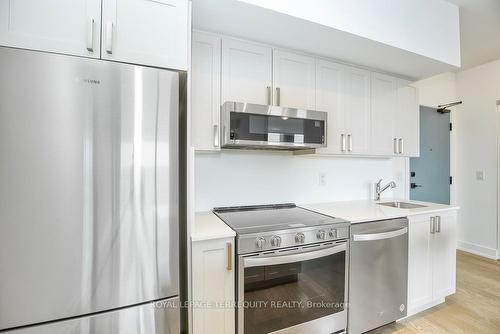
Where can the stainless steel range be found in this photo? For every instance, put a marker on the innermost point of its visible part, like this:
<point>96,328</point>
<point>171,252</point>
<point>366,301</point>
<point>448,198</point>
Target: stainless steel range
<point>292,270</point>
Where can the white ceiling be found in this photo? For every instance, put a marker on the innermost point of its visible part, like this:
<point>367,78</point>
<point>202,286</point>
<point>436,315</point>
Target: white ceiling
<point>479,31</point>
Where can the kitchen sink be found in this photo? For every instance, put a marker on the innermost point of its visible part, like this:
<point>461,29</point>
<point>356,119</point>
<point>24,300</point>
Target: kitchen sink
<point>402,205</point>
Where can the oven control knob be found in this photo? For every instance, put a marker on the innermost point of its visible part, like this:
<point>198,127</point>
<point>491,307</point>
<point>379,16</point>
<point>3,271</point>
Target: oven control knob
<point>333,233</point>
<point>275,241</point>
<point>300,238</point>
<point>260,242</point>
<point>321,235</point>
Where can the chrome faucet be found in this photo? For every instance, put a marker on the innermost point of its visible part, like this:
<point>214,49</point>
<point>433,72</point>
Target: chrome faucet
<point>379,189</point>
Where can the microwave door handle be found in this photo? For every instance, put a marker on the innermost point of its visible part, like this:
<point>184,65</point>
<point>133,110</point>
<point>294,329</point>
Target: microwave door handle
<point>299,257</point>
<point>380,236</point>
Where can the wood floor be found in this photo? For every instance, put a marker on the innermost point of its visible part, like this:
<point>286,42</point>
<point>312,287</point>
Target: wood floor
<point>475,308</point>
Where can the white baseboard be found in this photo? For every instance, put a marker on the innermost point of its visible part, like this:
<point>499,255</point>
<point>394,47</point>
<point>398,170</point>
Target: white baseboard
<point>469,247</point>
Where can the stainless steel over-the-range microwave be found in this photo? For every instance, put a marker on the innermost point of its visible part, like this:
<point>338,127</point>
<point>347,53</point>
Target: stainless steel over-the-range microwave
<point>255,126</point>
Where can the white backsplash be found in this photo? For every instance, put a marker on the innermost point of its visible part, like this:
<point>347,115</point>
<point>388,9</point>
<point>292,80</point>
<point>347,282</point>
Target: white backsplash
<point>247,177</point>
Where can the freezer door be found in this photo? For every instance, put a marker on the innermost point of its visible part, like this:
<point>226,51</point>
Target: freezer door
<point>160,317</point>
<point>89,186</point>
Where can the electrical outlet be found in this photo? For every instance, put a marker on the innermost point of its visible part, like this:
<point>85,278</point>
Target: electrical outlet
<point>322,179</point>
<point>480,175</point>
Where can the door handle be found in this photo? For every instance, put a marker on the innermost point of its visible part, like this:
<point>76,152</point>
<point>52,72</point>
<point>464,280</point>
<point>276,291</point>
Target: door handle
<point>216,135</point>
<point>109,37</point>
<point>90,36</point>
<point>438,224</point>
<point>269,95</point>
<point>342,142</point>
<point>433,225</point>
<point>229,250</point>
<point>400,146</point>
<point>380,236</point>
<point>278,96</point>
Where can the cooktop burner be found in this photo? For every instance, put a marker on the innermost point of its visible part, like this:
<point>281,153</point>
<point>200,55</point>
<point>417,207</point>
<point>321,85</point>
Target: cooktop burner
<point>264,227</point>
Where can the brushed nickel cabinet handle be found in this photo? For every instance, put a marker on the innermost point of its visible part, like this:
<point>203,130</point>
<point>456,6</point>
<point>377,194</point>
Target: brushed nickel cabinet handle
<point>395,146</point>
<point>278,96</point>
<point>349,142</point>
<point>269,95</point>
<point>400,146</point>
<point>438,224</point>
<point>229,249</point>
<point>433,225</point>
<point>90,36</point>
<point>109,37</point>
<point>216,135</point>
<point>342,142</point>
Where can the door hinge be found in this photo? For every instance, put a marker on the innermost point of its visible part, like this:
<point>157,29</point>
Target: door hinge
<point>451,126</point>
<point>451,179</point>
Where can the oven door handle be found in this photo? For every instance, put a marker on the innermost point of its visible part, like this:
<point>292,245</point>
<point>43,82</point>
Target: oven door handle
<point>380,236</point>
<point>298,257</point>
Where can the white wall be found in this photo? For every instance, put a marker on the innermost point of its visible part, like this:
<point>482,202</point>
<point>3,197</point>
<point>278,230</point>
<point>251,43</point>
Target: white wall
<point>476,150</point>
<point>426,27</point>
<point>246,178</point>
<point>437,90</point>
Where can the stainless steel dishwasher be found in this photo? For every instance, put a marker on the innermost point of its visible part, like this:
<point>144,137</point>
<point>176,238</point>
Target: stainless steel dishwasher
<point>378,277</point>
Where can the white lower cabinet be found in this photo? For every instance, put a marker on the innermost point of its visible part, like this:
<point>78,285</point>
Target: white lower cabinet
<point>213,286</point>
<point>431,259</point>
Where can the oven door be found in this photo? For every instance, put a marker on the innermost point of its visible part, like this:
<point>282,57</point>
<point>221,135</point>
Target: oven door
<point>295,290</point>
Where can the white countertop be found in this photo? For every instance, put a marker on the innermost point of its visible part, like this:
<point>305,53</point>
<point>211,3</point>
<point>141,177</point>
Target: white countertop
<point>366,210</point>
<point>208,226</point>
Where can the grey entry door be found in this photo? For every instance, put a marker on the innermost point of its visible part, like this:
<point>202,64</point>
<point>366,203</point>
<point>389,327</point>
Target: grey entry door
<point>430,173</point>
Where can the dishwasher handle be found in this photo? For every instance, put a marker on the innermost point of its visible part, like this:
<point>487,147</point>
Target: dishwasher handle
<point>380,236</point>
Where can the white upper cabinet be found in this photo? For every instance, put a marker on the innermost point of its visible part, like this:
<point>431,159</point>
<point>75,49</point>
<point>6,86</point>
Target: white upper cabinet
<point>384,102</point>
<point>294,80</point>
<point>246,72</point>
<point>329,98</point>
<point>69,27</point>
<point>205,91</point>
<point>146,32</point>
<point>357,110</point>
<point>407,121</point>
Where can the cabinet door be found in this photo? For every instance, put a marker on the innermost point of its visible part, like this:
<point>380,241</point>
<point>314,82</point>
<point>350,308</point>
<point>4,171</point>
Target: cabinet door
<point>69,27</point>
<point>357,109</point>
<point>408,120</point>
<point>246,72</point>
<point>444,256</point>
<point>213,284</point>
<point>205,91</point>
<point>329,96</point>
<point>384,99</point>
<point>153,33</point>
<point>419,263</point>
<point>294,80</point>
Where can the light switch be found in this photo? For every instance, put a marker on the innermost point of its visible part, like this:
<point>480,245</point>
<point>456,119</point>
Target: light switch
<point>480,175</point>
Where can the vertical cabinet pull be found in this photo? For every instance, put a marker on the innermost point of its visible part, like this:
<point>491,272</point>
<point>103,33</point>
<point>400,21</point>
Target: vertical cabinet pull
<point>229,250</point>
<point>269,95</point>
<point>438,224</point>
<point>349,143</point>
<point>400,151</point>
<point>90,36</point>
<point>278,96</point>
<point>395,146</point>
<point>342,143</point>
<point>433,225</point>
<point>109,37</point>
<point>216,135</point>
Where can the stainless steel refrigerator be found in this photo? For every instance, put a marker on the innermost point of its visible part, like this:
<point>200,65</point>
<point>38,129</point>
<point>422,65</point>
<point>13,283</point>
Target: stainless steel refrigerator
<point>89,195</point>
